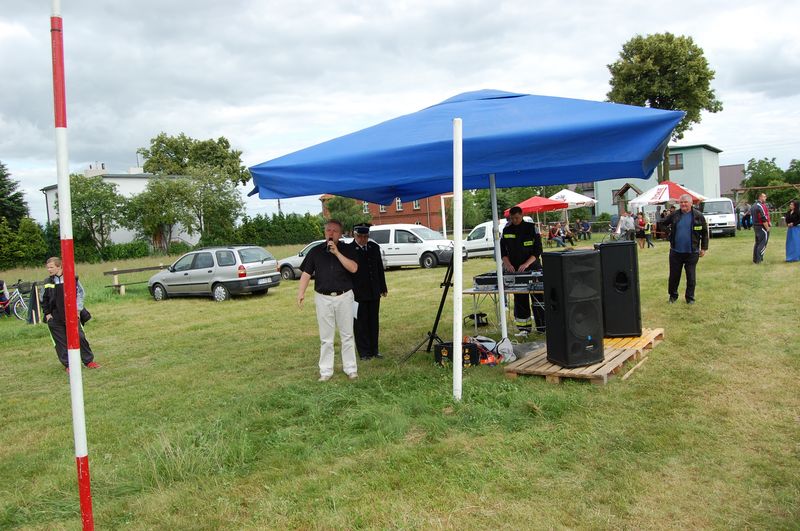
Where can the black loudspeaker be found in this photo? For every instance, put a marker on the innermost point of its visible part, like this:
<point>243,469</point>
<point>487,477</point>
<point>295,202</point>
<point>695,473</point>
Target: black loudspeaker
<point>573,307</point>
<point>622,310</point>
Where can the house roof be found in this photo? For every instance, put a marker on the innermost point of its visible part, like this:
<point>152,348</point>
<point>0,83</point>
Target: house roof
<point>696,146</point>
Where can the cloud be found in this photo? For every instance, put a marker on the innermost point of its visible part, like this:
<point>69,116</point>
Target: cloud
<point>276,76</point>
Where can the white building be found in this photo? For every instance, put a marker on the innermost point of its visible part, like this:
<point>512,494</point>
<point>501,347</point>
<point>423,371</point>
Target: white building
<point>128,184</point>
<point>696,167</point>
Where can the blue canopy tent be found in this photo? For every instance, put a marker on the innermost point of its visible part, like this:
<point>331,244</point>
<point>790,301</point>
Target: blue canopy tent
<point>509,140</point>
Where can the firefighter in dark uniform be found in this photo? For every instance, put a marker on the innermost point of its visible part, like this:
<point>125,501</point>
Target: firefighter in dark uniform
<point>369,285</point>
<point>521,249</point>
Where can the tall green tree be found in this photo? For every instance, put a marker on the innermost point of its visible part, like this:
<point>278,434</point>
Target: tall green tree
<point>12,202</point>
<point>664,71</point>
<point>175,155</point>
<point>349,211</point>
<point>31,242</point>
<point>156,212</point>
<point>96,207</point>
<point>214,203</point>
<point>765,172</point>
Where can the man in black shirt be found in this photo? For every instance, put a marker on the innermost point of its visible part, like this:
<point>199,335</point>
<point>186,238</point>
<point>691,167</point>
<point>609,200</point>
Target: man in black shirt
<point>369,285</point>
<point>332,265</point>
<point>521,247</point>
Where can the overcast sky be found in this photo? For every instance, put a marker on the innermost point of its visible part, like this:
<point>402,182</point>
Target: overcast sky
<point>276,76</point>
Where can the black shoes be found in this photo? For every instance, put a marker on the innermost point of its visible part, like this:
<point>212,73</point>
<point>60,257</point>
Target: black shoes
<point>672,300</point>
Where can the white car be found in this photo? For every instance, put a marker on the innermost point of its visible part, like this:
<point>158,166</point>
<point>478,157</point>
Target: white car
<point>290,266</point>
<point>480,241</point>
<point>406,244</point>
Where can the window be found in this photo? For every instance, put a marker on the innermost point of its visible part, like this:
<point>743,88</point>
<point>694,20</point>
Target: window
<point>254,254</point>
<point>477,234</point>
<point>382,208</point>
<point>365,207</point>
<point>676,161</point>
<point>203,260</point>
<point>184,263</point>
<point>398,205</point>
<point>403,236</point>
<point>416,204</point>
<point>225,258</point>
<point>379,236</point>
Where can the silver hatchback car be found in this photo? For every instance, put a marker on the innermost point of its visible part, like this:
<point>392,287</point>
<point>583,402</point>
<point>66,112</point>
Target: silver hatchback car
<point>219,272</point>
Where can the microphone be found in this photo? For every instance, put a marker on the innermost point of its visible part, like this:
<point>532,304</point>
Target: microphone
<point>328,245</point>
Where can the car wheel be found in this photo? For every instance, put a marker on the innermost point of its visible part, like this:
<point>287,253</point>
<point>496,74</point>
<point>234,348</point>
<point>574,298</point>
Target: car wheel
<point>220,292</point>
<point>159,293</point>
<point>287,273</point>
<point>428,261</point>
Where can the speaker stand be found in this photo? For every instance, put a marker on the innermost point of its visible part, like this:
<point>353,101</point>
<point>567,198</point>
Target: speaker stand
<point>432,336</point>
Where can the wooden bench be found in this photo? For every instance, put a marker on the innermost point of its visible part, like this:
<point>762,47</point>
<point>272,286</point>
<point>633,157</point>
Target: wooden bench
<point>118,286</point>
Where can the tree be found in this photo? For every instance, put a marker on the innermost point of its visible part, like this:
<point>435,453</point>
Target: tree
<point>664,71</point>
<point>12,203</point>
<point>765,172</point>
<point>792,173</point>
<point>348,211</point>
<point>174,155</point>
<point>31,243</point>
<point>156,212</point>
<point>214,203</point>
<point>96,207</point>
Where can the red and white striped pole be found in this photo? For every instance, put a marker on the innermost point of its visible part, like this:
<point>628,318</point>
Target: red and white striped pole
<point>68,263</point>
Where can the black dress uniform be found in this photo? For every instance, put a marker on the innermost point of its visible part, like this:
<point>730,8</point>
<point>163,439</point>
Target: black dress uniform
<point>520,242</point>
<point>369,284</point>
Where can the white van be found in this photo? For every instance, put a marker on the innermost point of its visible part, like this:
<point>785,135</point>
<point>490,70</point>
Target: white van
<point>480,242</point>
<point>406,244</point>
<point>720,215</point>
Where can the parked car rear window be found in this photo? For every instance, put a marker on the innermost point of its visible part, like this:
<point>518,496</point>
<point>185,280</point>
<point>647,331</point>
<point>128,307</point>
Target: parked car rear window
<point>379,236</point>
<point>225,258</point>
<point>254,254</point>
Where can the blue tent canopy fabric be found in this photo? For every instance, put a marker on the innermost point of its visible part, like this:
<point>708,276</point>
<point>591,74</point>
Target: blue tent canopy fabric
<point>523,139</point>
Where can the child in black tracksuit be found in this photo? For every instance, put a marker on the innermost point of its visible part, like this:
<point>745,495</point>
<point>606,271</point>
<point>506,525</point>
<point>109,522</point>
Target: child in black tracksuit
<point>54,316</point>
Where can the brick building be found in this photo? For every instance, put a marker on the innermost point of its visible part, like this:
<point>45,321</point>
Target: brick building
<point>426,211</point>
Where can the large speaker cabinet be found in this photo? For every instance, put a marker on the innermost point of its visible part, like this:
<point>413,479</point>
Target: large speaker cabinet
<point>573,307</point>
<point>622,310</point>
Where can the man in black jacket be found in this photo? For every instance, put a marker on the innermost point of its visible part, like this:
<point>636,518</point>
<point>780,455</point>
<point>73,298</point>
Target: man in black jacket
<point>688,243</point>
<point>369,285</point>
<point>54,316</point>
<point>520,248</point>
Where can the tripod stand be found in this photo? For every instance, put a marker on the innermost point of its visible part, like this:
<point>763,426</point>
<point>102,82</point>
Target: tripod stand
<point>432,336</point>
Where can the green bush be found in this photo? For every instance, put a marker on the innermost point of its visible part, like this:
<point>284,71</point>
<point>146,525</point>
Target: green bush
<point>125,251</point>
<point>178,248</point>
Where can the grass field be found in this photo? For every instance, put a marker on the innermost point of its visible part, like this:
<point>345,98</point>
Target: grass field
<point>209,416</point>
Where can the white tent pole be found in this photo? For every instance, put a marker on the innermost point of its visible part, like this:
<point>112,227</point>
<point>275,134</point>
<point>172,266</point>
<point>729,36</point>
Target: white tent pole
<point>501,295</point>
<point>458,265</point>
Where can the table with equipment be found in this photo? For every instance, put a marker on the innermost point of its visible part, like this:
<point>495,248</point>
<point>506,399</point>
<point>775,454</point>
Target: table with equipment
<point>485,287</point>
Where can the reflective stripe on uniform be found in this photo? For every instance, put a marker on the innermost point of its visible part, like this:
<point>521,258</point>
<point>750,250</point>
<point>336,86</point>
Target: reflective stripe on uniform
<point>509,235</point>
<point>527,243</point>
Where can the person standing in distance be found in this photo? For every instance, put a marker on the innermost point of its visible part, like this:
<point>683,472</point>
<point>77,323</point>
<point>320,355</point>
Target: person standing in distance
<point>688,243</point>
<point>369,285</point>
<point>54,316</point>
<point>332,265</point>
<point>520,248</point>
<point>759,214</point>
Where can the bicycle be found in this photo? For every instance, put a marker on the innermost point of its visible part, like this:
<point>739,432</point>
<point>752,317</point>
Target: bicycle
<point>16,301</point>
<point>612,235</point>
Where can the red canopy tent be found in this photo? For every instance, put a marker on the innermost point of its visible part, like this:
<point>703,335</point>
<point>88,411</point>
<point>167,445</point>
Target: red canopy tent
<point>664,192</point>
<point>537,204</point>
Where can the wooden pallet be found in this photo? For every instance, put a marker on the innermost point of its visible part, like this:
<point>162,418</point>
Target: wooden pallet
<point>618,350</point>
